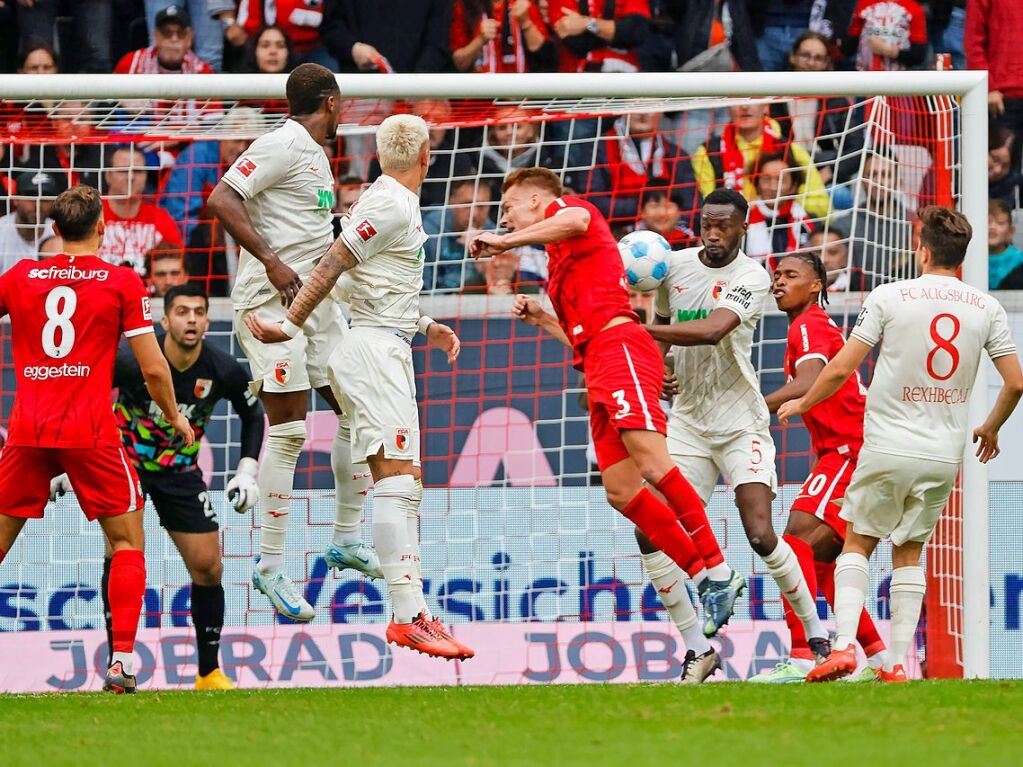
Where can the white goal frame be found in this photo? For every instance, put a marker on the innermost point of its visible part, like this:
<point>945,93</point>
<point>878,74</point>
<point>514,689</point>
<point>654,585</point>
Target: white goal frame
<point>970,87</point>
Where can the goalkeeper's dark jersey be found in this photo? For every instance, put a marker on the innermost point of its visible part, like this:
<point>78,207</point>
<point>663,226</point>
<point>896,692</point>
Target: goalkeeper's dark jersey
<point>144,432</point>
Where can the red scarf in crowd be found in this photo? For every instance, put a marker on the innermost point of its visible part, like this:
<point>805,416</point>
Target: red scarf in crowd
<point>775,233</point>
<point>631,161</point>
<point>733,164</point>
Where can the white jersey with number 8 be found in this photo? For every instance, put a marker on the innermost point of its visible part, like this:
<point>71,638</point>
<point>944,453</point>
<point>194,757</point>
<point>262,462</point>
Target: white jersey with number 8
<point>933,330</point>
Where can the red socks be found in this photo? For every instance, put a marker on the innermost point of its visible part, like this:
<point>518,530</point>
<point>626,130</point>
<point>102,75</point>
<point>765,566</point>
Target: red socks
<point>866,632</point>
<point>804,554</point>
<point>658,523</point>
<point>689,509</point>
<point>126,589</point>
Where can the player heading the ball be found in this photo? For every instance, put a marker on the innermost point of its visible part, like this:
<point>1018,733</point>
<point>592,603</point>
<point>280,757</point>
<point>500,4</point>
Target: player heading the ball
<point>66,319</point>
<point>934,329</point>
<point>624,373</point>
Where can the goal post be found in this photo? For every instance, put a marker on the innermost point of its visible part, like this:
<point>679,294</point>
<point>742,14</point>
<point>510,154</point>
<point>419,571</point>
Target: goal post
<point>158,108</point>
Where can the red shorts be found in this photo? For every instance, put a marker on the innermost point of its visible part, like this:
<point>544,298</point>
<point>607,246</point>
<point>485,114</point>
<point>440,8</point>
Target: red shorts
<point>826,485</point>
<point>624,378</point>
<point>102,478</point>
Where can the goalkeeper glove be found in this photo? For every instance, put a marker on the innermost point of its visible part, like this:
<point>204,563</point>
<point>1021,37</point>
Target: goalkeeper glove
<point>242,490</point>
<point>59,486</point>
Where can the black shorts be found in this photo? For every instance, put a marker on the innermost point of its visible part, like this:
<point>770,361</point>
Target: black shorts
<point>181,500</point>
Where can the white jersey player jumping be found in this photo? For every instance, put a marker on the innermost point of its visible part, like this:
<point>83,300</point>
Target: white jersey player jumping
<point>380,255</point>
<point>276,202</point>
<point>934,329</point>
<point>708,308</point>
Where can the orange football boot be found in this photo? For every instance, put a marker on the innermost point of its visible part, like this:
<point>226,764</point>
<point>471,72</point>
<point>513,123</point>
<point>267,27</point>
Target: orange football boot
<point>465,652</point>
<point>420,635</point>
<point>837,665</point>
<point>896,676</point>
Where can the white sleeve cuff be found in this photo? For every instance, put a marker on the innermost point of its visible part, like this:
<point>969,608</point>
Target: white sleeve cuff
<point>290,328</point>
<point>424,323</point>
<point>811,356</point>
<point>138,331</point>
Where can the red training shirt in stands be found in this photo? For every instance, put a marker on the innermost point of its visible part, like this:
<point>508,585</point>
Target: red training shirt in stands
<point>836,424</point>
<point>127,240</point>
<point>67,316</point>
<point>586,282</point>
<point>144,62</point>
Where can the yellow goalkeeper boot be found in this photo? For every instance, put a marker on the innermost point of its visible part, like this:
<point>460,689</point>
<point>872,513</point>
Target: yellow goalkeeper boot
<point>215,680</point>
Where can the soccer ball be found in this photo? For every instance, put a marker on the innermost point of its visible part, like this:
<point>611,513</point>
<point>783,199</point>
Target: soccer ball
<point>644,256</point>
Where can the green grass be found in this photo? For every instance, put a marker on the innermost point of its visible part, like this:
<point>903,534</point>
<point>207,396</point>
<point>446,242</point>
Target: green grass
<point>719,725</point>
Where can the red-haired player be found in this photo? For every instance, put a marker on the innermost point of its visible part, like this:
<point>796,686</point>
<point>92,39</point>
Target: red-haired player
<point>814,530</point>
<point>623,367</point>
<point>67,317</point>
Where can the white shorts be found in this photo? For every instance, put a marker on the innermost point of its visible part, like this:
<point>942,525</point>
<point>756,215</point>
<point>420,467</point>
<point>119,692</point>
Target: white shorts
<point>897,497</point>
<point>743,458</point>
<point>294,365</point>
<point>372,377</point>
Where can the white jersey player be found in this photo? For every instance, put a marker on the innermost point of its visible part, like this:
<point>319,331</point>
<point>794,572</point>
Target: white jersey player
<point>380,255</point>
<point>276,202</point>
<point>708,308</point>
<point>933,331</point>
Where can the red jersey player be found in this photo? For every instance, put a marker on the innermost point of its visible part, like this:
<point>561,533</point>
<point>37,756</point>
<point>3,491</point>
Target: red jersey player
<point>815,531</point>
<point>623,367</point>
<point>67,316</point>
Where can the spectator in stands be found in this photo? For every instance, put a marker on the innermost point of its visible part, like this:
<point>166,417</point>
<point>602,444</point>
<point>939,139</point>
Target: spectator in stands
<point>633,153</point>
<point>661,210</point>
<point>450,229</point>
<point>299,20</point>
<point>349,190</point>
<point>833,248</point>
<point>777,222</point>
<point>500,36</point>
<point>269,51</point>
<point>171,51</point>
<point>200,165</point>
<point>994,41</point>
<point>36,58</point>
<point>780,23</point>
<point>600,35</point>
<point>723,160</point>
<point>1003,159</point>
<point>24,230</point>
<point>396,36</point>
<point>508,146</point>
<point>90,30</point>
<point>824,125</point>
<point>1004,258</point>
<point>207,29</point>
<point>701,40</point>
<point>133,226</point>
<point>882,236</point>
<point>946,29</point>
<point>166,268</point>
<point>73,156</point>
<point>887,35</point>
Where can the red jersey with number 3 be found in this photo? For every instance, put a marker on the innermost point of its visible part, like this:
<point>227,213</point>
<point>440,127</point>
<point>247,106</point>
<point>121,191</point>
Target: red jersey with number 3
<point>836,424</point>
<point>67,316</point>
<point>586,282</point>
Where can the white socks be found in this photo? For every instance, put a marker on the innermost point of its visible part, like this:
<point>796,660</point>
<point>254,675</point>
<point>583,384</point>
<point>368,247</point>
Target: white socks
<point>412,528</point>
<point>127,661</point>
<point>351,482</point>
<point>905,595</point>
<point>784,568</point>
<point>669,580</point>
<point>851,579</point>
<point>276,484</point>
<point>393,500</point>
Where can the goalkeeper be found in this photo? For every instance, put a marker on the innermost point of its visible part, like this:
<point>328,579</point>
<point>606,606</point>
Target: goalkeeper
<point>203,375</point>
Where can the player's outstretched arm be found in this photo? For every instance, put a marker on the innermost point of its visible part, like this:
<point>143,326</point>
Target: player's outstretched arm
<point>156,372</point>
<point>985,436</point>
<point>229,208</point>
<point>829,381</point>
<point>571,222</point>
<point>706,332</point>
<point>807,373</point>
<point>529,311</point>
<point>337,260</point>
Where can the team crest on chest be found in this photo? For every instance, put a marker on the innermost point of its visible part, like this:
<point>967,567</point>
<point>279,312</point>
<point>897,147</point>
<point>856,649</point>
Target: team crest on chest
<point>401,438</point>
<point>282,371</point>
<point>719,286</point>
<point>203,387</point>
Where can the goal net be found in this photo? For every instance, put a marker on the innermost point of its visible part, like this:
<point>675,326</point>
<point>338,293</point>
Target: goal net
<point>521,552</point>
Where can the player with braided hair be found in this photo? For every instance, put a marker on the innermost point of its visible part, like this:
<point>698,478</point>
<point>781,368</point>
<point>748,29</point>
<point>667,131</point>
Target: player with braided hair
<point>814,530</point>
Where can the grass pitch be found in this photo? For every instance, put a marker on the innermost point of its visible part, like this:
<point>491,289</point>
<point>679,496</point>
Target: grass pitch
<point>925,723</point>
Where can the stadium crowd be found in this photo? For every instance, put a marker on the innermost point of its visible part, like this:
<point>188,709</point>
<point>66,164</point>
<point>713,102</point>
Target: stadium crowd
<point>815,173</point>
